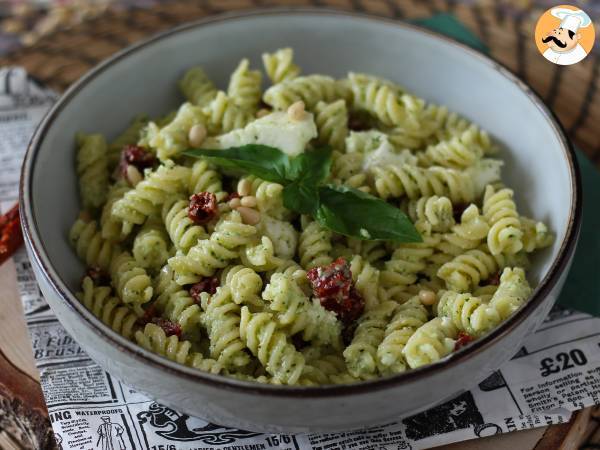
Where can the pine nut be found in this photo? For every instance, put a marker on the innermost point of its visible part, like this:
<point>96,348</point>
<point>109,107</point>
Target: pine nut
<point>249,216</point>
<point>427,297</point>
<point>244,187</point>
<point>133,175</point>
<point>249,201</point>
<point>197,135</point>
<point>234,203</point>
<point>297,111</point>
<point>262,113</point>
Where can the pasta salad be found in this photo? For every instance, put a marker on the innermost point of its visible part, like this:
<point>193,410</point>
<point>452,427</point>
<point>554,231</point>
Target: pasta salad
<point>323,231</point>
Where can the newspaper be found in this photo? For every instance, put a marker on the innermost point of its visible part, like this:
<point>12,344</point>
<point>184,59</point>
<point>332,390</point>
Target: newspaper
<point>556,371</point>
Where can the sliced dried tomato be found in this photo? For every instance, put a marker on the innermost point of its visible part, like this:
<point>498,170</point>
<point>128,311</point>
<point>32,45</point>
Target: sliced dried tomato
<point>209,285</point>
<point>98,276</point>
<point>202,208</point>
<point>170,328</point>
<point>494,279</point>
<point>462,340</point>
<point>11,236</point>
<point>232,195</point>
<point>332,285</point>
<point>332,281</point>
<point>149,315</point>
<point>137,156</point>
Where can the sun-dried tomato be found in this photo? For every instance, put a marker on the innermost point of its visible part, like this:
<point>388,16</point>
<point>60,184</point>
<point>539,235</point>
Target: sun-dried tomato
<point>298,342</point>
<point>98,276</point>
<point>149,315</point>
<point>360,121</point>
<point>494,279</point>
<point>332,281</point>
<point>462,340</point>
<point>232,195</point>
<point>137,156</point>
<point>332,285</point>
<point>209,285</point>
<point>170,328</point>
<point>11,236</point>
<point>348,309</point>
<point>203,207</point>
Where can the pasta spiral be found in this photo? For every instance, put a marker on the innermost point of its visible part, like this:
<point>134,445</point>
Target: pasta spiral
<point>314,246</point>
<point>224,115</point>
<point>176,304</point>
<point>260,255</point>
<point>149,195</point>
<point>464,272</point>
<point>408,317</point>
<point>361,354</point>
<point>222,321</point>
<point>512,292</point>
<point>108,308</point>
<point>271,347</point>
<point>535,235</point>
<point>184,233</point>
<point>280,65</point>
<point>269,196</point>
<point>383,99</point>
<point>173,137</point>
<point>90,246</point>
<point>245,86</point>
<point>366,281</point>
<point>433,213</point>
<point>208,255</point>
<point>332,123</point>
<point>132,284</point>
<point>499,209</point>
<point>294,271</point>
<point>295,312</point>
<point>154,339</point>
<point>347,169</point>
<point>468,313</point>
<point>467,235</point>
<point>197,87</point>
<point>203,178</point>
<point>150,246</point>
<point>457,152</point>
<point>414,182</point>
<point>111,227</point>
<point>430,342</point>
<point>92,169</point>
<point>245,285</point>
<point>406,262</point>
<point>310,89</point>
<point>370,251</point>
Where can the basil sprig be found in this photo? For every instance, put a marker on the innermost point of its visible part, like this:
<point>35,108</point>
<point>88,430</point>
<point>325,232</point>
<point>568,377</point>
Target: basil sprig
<point>340,208</point>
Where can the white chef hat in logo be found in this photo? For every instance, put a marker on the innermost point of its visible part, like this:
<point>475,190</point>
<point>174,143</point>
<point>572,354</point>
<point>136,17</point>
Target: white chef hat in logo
<point>570,19</point>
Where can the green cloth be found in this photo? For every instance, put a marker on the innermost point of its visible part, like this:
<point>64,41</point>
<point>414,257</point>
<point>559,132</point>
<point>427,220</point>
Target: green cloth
<point>582,288</point>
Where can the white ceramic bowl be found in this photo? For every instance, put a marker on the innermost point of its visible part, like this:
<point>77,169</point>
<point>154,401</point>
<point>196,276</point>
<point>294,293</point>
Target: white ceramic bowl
<point>539,165</point>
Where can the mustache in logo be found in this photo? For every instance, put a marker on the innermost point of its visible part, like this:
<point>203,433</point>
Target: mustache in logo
<point>555,40</point>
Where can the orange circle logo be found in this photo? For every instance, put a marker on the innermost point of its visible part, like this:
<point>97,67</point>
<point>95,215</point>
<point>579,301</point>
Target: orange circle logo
<point>564,35</point>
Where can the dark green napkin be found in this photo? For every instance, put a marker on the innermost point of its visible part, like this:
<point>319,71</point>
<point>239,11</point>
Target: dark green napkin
<point>582,289</point>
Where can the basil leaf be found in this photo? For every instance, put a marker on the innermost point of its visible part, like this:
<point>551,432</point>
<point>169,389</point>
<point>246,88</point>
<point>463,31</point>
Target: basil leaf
<point>354,213</point>
<point>268,163</point>
<point>311,167</point>
<point>301,197</point>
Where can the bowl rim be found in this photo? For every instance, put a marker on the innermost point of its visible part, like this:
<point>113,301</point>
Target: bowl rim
<point>548,282</point>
